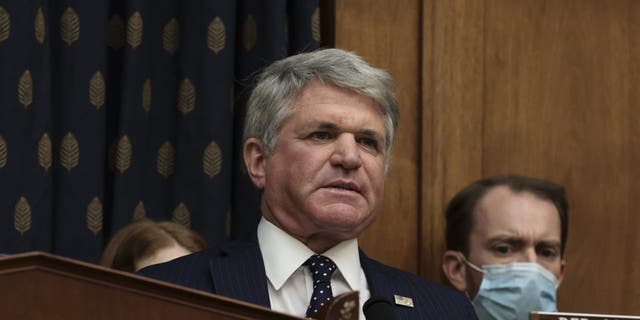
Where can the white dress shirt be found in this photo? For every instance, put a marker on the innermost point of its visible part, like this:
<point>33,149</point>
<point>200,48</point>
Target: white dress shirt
<point>290,283</point>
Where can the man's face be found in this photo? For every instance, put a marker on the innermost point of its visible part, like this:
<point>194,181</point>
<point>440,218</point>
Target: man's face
<point>513,227</point>
<point>324,181</point>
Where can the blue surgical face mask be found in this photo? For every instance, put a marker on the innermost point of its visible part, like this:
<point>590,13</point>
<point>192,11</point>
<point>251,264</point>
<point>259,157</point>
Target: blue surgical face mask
<point>511,291</point>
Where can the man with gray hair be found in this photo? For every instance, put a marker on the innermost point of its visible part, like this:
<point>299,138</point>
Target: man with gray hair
<point>317,141</point>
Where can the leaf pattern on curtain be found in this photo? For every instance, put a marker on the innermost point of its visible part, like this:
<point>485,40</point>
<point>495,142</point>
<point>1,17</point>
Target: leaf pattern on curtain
<point>212,160</point>
<point>171,36</point>
<point>94,215</point>
<point>25,89</point>
<point>70,26</point>
<point>3,153</point>
<point>187,97</point>
<point>139,212</point>
<point>165,162</point>
<point>69,152</point>
<point>22,216</point>
<point>181,215</point>
<point>134,30</point>
<point>123,154</point>
<point>39,26</point>
<point>315,25</point>
<point>113,111</point>
<point>249,34</point>
<point>216,39</point>
<point>97,90</point>
<point>5,24</point>
<point>44,152</point>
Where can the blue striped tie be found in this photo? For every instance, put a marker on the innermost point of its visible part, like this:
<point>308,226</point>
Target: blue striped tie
<point>321,269</point>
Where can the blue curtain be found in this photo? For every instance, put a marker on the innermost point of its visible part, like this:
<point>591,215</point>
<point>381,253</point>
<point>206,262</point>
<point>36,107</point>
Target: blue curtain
<point>114,110</point>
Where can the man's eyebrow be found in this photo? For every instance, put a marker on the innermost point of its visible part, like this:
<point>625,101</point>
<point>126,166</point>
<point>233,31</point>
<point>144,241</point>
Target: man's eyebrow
<point>323,125</point>
<point>505,238</point>
<point>520,241</point>
<point>549,243</point>
<point>372,134</point>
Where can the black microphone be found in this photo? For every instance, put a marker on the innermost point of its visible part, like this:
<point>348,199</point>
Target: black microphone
<point>378,308</point>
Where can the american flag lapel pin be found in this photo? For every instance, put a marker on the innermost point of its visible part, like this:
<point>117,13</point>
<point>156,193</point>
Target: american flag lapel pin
<point>403,301</point>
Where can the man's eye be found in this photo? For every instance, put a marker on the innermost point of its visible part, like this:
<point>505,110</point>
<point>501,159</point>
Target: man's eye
<point>320,135</point>
<point>548,252</point>
<point>502,249</point>
<point>369,143</point>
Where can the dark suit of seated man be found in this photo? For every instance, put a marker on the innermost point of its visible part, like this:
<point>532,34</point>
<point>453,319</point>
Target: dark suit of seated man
<point>317,140</point>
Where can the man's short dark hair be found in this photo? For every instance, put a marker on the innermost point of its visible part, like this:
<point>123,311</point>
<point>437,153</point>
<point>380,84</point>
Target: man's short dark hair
<point>459,212</point>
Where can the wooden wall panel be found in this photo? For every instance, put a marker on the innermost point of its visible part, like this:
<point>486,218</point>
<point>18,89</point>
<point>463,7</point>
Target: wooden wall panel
<point>387,35</point>
<point>452,103</point>
<point>559,77</point>
<point>549,89</point>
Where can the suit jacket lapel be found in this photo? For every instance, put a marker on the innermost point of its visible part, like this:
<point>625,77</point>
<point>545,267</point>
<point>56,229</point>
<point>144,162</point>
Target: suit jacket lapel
<point>238,273</point>
<point>370,274</point>
<point>381,284</point>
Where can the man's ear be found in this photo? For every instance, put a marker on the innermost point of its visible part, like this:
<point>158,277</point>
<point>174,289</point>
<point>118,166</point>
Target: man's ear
<point>455,270</point>
<point>254,161</point>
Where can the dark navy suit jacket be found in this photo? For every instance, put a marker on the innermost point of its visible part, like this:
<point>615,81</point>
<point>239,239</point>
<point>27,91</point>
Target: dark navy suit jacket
<point>236,270</point>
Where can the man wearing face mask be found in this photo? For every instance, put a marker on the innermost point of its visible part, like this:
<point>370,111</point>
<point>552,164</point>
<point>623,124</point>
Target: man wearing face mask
<point>505,238</point>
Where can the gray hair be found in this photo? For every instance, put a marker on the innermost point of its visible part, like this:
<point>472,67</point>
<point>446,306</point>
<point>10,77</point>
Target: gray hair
<point>280,84</point>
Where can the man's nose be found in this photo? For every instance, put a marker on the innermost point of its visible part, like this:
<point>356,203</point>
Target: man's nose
<point>530,255</point>
<point>346,153</point>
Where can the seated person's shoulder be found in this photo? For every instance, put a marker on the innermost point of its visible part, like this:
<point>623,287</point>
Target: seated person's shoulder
<point>410,280</point>
<point>194,270</point>
<point>400,284</point>
<point>191,270</point>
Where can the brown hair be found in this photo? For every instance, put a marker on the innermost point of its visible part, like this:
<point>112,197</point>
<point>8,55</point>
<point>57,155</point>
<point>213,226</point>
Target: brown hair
<point>459,212</point>
<point>142,238</point>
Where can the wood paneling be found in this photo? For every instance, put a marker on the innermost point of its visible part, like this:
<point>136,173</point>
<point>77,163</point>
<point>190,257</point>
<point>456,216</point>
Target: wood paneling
<point>548,88</point>
<point>387,35</point>
<point>452,104</point>
<point>560,102</point>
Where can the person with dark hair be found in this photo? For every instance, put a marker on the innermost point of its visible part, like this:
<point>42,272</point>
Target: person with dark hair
<point>317,143</point>
<point>505,238</point>
<point>145,242</point>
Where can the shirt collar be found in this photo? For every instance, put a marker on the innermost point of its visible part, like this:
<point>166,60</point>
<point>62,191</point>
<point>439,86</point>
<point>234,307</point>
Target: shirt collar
<point>279,267</point>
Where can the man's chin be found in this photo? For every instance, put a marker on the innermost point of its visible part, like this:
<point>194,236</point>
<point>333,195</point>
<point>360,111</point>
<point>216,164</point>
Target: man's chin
<point>343,216</point>
<point>342,209</point>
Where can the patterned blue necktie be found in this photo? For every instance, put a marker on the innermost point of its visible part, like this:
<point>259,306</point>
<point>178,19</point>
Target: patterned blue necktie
<point>321,269</point>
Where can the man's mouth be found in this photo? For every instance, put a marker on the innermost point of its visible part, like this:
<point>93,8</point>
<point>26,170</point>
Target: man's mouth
<point>344,185</point>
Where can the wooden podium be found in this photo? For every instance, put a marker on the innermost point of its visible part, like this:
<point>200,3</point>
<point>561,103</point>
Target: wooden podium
<point>577,316</point>
<point>38,285</point>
